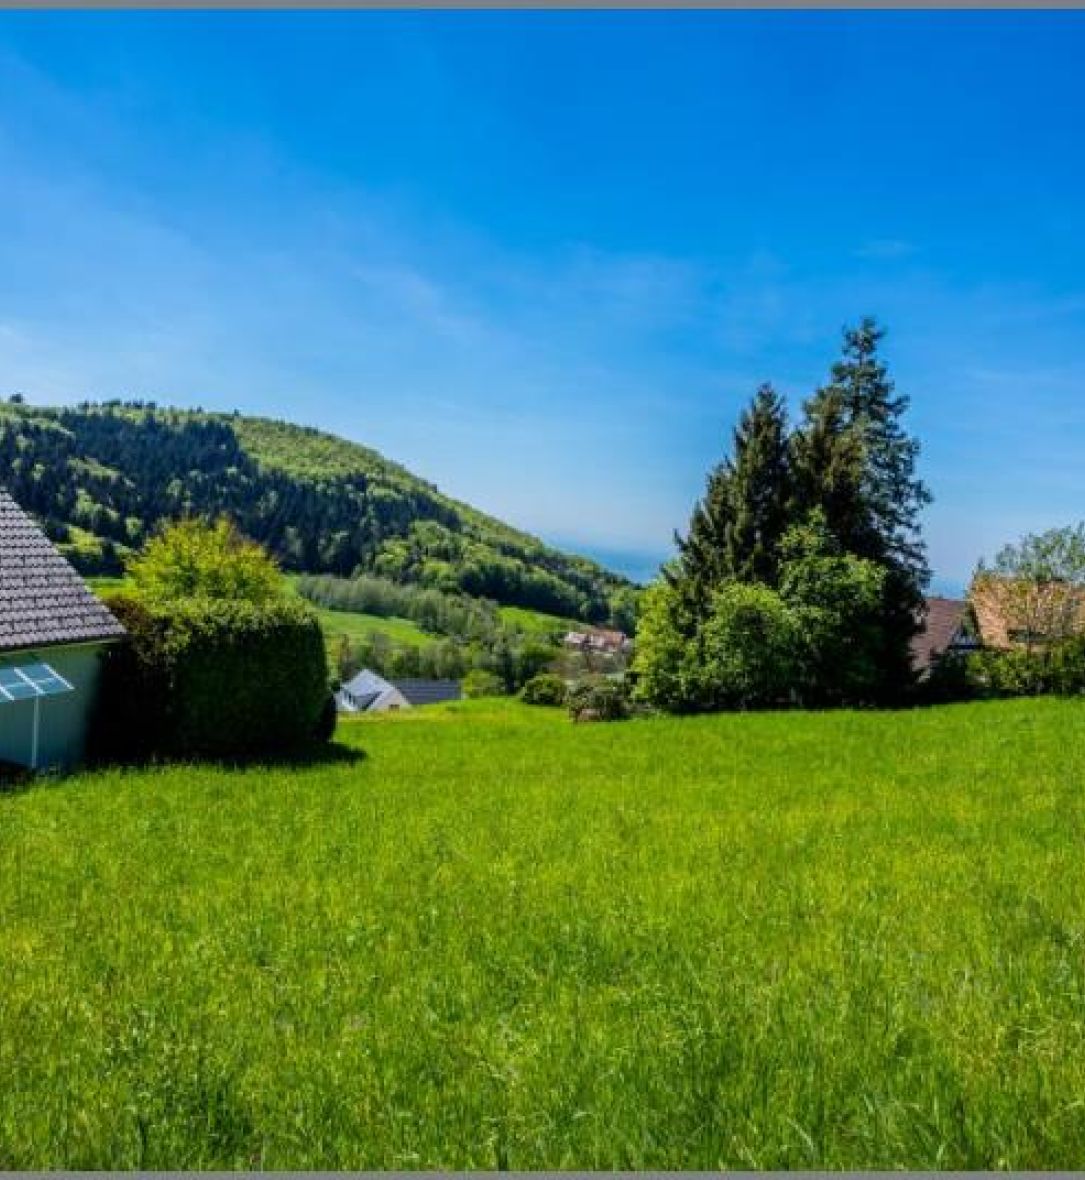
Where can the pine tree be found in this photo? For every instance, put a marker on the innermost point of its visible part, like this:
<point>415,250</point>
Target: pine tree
<point>854,460</point>
<point>760,490</point>
<point>736,527</point>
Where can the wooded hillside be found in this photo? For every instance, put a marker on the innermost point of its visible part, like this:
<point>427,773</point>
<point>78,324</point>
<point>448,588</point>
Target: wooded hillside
<point>103,477</point>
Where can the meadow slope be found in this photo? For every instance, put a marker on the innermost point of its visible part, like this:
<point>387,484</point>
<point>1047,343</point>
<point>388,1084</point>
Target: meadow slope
<point>492,938</point>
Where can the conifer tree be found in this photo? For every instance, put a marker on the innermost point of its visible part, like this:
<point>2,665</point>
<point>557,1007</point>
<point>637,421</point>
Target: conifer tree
<point>736,527</point>
<point>855,461</point>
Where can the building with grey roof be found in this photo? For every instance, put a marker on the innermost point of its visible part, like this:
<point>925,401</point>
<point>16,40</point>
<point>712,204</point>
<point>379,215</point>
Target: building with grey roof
<point>53,632</point>
<point>369,693</point>
<point>429,692</point>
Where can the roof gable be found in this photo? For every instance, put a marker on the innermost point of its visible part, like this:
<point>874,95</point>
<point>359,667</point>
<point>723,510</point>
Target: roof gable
<point>942,623</point>
<point>366,684</point>
<point>43,601</point>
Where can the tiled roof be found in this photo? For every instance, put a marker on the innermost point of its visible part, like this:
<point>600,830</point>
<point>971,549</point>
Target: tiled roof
<point>429,692</point>
<point>43,601</point>
<point>1004,605</point>
<point>943,620</point>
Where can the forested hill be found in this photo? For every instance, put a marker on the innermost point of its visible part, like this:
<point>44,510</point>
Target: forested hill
<point>101,478</point>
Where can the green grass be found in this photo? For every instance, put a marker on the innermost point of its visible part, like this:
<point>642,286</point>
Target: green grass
<point>354,625</point>
<point>499,939</point>
<point>535,622</point>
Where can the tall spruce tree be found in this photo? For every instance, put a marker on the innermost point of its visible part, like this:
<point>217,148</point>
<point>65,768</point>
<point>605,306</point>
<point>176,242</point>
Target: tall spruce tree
<point>735,529</point>
<point>855,461</point>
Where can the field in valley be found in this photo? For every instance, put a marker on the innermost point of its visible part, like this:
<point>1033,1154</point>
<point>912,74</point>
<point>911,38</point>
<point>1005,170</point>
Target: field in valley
<point>479,936</point>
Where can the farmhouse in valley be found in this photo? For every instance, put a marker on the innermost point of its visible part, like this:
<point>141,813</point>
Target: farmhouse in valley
<point>369,693</point>
<point>53,632</point>
<point>598,639</point>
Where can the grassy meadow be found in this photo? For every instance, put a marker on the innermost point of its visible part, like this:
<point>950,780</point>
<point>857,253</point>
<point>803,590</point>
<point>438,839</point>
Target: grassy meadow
<point>479,936</point>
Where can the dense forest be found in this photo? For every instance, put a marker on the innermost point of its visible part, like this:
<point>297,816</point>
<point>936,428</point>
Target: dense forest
<point>103,477</point>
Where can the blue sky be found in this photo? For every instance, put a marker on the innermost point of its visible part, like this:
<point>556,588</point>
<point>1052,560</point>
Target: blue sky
<point>544,258</point>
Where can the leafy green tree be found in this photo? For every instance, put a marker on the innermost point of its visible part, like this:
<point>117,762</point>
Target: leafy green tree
<point>748,649</point>
<point>666,650</point>
<point>837,604</point>
<point>195,559</point>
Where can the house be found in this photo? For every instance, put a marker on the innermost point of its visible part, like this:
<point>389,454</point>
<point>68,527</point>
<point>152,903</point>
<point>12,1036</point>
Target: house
<point>1021,613</point>
<point>428,692</point>
<point>948,626</point>
<point>53,633</point>
<point>369,693</point>
<point>598,639</point>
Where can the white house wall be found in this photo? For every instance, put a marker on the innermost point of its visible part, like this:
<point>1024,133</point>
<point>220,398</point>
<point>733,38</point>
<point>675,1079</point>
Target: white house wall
<point>63,720</point>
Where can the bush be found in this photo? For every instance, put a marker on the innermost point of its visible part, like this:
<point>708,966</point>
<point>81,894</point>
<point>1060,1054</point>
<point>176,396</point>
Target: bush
<point>480,683</point>
<point>212,678</point>
<point>1066,667</point>
<point>600,700</point>
<point>544,689</point>
<point>327,721</point>
<point>1014,673</point>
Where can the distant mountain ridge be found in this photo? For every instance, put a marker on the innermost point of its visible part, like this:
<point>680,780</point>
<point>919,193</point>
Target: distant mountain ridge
<point>101,477</point>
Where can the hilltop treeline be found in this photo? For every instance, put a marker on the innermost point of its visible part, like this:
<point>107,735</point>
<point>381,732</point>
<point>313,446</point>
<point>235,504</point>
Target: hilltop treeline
<point>102,478</point>
<point>440,614</point>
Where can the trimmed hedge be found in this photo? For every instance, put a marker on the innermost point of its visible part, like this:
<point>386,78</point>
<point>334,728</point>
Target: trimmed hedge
<point>212,678</point>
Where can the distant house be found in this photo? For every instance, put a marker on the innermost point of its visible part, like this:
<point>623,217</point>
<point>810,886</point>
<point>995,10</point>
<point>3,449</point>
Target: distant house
<point>429,692</point>
<point>948,626</point>
<point>369,693</point>
<point>1018,613</point>
<point>53,632</point>
<point>598,639</point>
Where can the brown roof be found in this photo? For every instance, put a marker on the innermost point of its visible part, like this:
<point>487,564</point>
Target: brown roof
<point>43,600</point>
<point>944,619</point>
<point>995,600</point>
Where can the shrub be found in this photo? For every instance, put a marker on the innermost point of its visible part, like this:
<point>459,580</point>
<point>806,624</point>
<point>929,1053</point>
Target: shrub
<point>327,721</point>
<point>544,689</point>
<point>1013,673</point>
<point>480,683</point>
<point>1066,667</point>
<point>599,700</point>
<point>212,678</point>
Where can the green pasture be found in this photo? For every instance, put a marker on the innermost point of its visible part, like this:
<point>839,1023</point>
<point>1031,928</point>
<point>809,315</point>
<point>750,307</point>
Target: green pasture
<point>480,936</point>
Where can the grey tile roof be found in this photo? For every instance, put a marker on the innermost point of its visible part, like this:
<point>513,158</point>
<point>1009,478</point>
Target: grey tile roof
<point>429,692</point>
<point>43,601</point>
